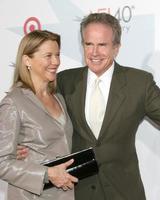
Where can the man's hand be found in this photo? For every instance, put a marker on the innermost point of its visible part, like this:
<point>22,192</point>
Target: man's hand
<point>22,152</point>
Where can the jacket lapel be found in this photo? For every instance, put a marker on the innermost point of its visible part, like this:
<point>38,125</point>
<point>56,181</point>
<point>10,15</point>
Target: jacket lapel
<point>116,98</point>
<point>78,103</point>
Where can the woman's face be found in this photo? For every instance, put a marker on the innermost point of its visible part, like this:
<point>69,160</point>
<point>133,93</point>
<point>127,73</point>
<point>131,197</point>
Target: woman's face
<point>45,62</point>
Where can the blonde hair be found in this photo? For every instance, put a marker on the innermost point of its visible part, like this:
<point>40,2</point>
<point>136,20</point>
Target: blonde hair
<point>28,46</point>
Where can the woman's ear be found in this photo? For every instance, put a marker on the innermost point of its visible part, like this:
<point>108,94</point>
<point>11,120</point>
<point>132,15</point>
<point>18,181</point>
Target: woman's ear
<point>26,60</point>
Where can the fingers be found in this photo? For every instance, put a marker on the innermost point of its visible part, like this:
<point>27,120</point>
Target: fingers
<point>60,178</point>
<point>69,178</point>
<point>73,178</point>
<point>68,186</point>
<point>69,182</point>
<point>68,163</point>
<point>22,152</point>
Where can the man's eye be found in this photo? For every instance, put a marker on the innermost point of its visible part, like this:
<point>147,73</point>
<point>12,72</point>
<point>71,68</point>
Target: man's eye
<point>103,44</point>
<point>88,44</point>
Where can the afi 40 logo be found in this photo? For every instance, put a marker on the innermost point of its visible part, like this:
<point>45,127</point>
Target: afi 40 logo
<point>123,14</point>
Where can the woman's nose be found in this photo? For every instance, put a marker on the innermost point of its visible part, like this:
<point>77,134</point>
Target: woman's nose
<point>55,60</point>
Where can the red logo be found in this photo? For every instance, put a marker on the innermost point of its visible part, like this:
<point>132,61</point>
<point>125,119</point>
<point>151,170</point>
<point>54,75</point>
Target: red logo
<point>31,24</point>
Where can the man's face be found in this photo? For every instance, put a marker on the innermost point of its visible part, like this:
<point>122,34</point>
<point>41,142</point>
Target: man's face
<point>99,50</point>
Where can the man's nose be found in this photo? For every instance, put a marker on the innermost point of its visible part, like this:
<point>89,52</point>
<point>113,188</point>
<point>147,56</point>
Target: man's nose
<point>95,50</point>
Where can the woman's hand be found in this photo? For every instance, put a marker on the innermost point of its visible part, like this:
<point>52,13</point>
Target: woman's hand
<point>59,176</point>
<point>22,152</point>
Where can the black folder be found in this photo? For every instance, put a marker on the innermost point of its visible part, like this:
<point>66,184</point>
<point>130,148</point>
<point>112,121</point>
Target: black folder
<point>84,164</point>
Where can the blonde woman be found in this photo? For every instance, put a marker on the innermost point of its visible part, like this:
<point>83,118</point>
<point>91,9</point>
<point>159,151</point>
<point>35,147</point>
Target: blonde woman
<point>34,115</point>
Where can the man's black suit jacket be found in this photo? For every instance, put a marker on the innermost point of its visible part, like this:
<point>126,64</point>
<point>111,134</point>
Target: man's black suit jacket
<point>133,95</point>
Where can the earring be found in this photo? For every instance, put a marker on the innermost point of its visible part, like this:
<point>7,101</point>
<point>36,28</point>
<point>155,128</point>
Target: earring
<point>29,67</point>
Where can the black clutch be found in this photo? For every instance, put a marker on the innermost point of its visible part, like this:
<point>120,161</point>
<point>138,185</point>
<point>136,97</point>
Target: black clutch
<point>84,164</point>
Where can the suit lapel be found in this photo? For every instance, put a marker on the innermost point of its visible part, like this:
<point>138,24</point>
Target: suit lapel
<point>78,103</point>
<point>116,98</point>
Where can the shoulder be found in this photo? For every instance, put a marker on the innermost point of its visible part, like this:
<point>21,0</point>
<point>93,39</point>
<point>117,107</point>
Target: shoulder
<point>69,78</point>
<point>13,93</point>
<point>132,69</point>
<point>136,80</point>
<point>13,97</point>
<point>9,103</point>
<point>133,73</point>
<point>71,72</point>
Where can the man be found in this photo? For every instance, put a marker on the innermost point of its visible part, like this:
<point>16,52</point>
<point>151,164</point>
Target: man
<point>129,95</point>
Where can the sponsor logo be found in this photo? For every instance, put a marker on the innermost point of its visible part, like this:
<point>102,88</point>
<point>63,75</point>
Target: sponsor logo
<point>31,24</point>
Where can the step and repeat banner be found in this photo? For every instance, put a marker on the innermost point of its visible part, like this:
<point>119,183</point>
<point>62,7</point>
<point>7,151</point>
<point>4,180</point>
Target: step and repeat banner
<point>140,21</point>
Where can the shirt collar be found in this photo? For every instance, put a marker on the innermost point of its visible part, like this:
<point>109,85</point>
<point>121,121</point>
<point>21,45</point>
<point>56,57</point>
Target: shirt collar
<point>106,75</point>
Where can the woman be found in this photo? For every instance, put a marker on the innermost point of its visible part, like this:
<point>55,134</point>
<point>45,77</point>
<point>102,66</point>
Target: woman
<point>33,115</point>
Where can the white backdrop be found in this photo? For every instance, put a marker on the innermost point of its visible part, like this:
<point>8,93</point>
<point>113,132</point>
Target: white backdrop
<point>140,22</point>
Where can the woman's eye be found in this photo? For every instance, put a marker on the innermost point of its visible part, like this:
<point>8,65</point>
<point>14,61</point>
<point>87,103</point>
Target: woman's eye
<point>48,56</point>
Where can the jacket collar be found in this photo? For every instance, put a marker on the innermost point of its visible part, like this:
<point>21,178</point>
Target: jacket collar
<point>115,100</point>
